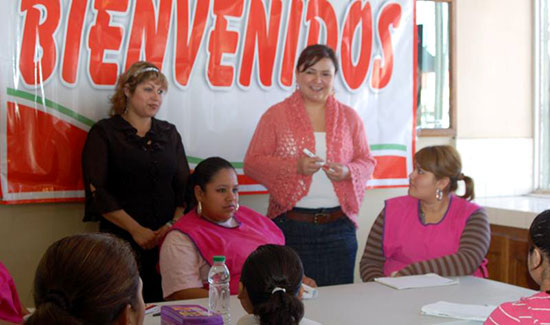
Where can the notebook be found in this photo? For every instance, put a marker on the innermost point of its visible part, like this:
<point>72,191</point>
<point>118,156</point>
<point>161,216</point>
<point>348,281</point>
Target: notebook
<point>416,281</point>
<point>459,311</point>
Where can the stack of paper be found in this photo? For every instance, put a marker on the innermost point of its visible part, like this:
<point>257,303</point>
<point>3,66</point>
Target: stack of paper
<point>459,311</point>
<point>417,281</point>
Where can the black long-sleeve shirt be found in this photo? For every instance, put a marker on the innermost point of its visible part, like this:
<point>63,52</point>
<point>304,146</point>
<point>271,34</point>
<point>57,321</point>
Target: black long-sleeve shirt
<point>144,176</point>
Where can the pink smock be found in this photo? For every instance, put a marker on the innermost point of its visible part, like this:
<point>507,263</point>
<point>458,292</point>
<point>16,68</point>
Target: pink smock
<point>408,240</point>
<point>10,306</point>
<point>235,244</point>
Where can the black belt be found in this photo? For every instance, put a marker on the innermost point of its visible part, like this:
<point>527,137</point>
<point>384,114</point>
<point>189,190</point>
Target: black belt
<point>316,216</point>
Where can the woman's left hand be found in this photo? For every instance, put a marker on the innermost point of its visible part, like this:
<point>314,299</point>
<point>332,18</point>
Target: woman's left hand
<point>336,171</point>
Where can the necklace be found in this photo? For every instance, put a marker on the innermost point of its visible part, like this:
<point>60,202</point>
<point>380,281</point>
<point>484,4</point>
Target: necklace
<point>421,214</point>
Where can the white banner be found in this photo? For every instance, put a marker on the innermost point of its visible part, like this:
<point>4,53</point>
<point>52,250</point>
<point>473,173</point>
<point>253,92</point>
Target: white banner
<point>227,62</point>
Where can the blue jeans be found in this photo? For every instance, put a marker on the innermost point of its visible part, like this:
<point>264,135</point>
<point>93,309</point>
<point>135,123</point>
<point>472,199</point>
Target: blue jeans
<point>327,250</point>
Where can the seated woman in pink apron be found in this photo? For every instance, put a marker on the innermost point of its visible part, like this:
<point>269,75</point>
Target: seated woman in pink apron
<point>11,310</point>
<point>216,225</point>
<point>431,230</point>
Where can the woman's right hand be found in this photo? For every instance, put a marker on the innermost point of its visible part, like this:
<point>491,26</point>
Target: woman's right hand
<point>309,281</point>
<point>144,237</point>
<point>308,166</point>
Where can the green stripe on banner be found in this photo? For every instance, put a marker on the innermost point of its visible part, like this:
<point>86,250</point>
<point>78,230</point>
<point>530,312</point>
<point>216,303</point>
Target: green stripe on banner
<point>83,119</point>
<point>196,160</point>
<point>48,103</point>
<point>389,146</point>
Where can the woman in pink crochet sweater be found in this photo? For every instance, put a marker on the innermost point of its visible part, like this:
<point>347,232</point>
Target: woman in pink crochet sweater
<point>311,153</point>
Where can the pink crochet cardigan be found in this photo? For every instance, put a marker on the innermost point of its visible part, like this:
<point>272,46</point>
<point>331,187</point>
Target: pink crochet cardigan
<point>281,135</point>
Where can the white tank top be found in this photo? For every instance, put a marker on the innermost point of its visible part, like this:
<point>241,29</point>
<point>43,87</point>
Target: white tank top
<point>321,192</point>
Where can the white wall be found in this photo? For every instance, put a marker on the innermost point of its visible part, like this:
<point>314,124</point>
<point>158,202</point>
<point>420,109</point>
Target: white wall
<point>495,94</point>
<point>494,61</point>
<point>27,230</point>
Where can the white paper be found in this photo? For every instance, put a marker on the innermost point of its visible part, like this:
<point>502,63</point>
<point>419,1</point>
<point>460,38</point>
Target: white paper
<point>309,292</point>
<point>416,281</point>
<point>458,311</point>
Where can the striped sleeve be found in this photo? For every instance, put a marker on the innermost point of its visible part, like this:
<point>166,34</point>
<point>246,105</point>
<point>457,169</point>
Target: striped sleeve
<point>373,259</point>
<point>474,244</point>
<point>503,314</point>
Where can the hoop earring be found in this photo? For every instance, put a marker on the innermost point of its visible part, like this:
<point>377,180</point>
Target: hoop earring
<point>199,208</point>
<point>439,194</point>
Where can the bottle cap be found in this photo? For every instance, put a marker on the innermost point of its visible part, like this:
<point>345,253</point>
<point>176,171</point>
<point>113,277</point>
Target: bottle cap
<point>219,258</point>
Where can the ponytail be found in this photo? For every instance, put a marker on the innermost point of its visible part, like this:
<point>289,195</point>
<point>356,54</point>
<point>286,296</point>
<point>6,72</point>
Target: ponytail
<point>469,188</point>
<point>189,196</point>
<point>51,313</point>
<point>280,308</point>
<point>272,276</point>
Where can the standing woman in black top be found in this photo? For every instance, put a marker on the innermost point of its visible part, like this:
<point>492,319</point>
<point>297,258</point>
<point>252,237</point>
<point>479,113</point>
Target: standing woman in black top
<point>135,170</point>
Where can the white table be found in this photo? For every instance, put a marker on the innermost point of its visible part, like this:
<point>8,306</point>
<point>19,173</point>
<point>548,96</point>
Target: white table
<point>373,303</point>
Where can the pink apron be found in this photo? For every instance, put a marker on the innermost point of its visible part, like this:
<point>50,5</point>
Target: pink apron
<point>407,240</point>
<point>10,307</point>
<point>234,243</point>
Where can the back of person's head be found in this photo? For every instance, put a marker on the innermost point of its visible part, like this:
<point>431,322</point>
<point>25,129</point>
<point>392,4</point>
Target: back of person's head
<point>539,249</point>
<point>86,279</point>
<point>137,73</point>
<point>313,54</point>
<point>539,234</point>
<point>444,161</point>
<point>202,175</point>
<point>272,276</point>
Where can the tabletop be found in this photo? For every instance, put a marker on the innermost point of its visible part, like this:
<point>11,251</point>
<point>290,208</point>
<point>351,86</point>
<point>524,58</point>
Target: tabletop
<point>374,303</point>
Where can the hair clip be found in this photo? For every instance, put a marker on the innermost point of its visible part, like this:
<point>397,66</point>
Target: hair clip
<point>146,69</point>
<point>277,289</point>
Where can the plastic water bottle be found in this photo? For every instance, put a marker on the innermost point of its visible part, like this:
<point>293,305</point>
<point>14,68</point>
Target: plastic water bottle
<point>218,295</point>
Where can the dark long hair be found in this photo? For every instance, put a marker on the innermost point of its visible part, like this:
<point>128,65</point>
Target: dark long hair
<point>539,235</point>
<point>85,279</point>
<point>268,267</point>
<point>201,176</point>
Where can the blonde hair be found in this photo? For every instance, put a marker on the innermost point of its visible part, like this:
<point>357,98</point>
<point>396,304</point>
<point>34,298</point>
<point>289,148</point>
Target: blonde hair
<point>444,161</point>
<point>137,73</point>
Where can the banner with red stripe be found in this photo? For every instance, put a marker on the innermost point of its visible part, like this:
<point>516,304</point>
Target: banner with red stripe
<point>227,62</point>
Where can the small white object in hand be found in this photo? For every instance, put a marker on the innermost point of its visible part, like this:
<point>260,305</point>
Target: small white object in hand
<point>309,292</point>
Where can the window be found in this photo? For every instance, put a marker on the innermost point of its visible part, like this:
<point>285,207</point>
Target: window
<point>435,110</point>
<point>542,96</point>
